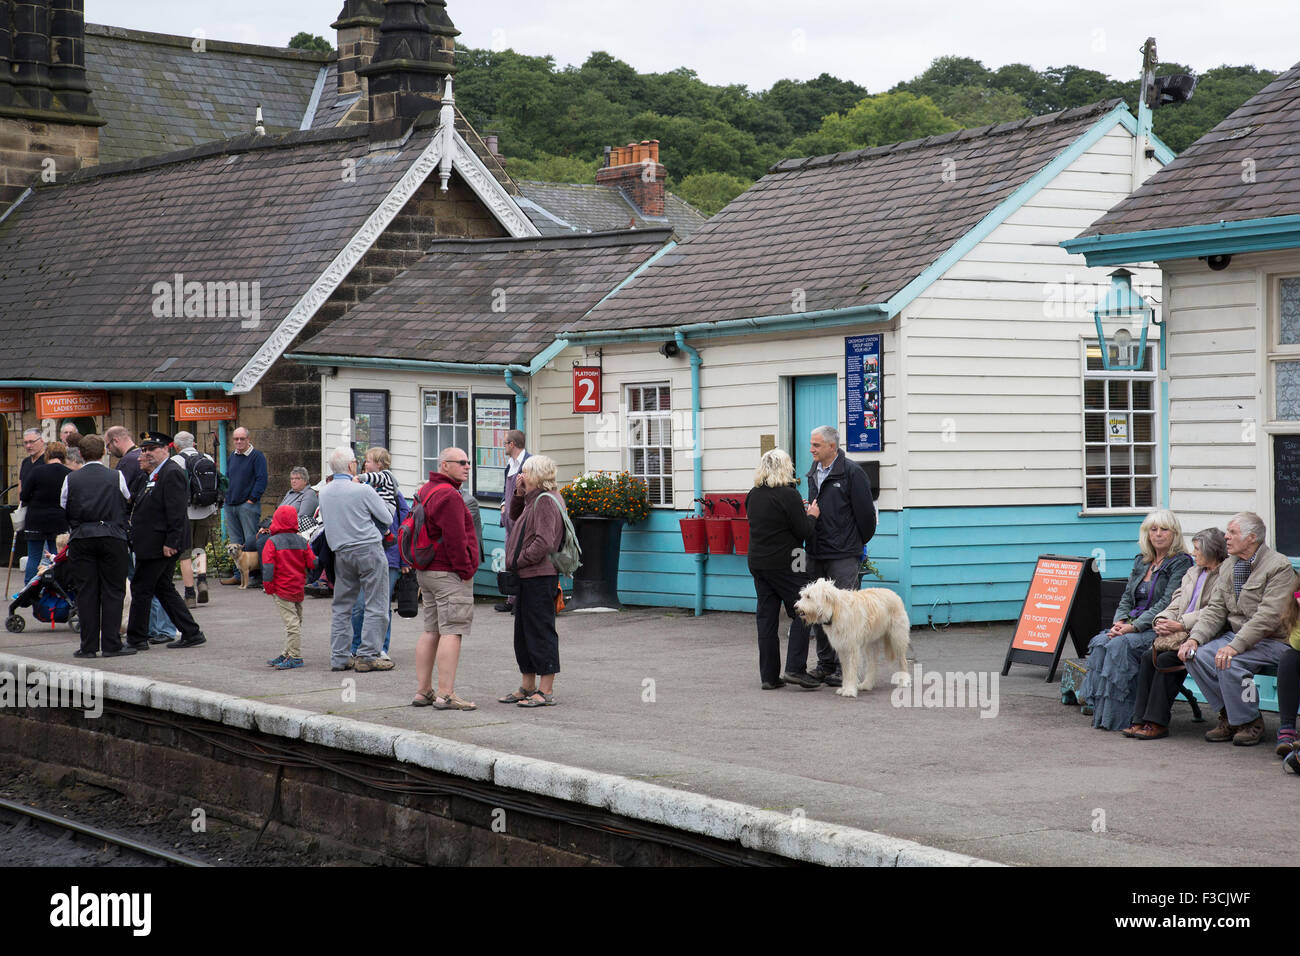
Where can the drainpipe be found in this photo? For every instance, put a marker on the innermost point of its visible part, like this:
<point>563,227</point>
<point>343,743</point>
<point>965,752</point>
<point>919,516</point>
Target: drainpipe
<point>521,401</point>
<point>698,460</point>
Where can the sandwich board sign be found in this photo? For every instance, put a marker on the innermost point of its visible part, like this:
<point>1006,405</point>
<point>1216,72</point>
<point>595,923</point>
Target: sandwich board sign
<point>1064,594</point>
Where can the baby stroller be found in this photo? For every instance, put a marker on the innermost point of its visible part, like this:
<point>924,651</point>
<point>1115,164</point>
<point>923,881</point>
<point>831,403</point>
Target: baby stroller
<point>50,596</point>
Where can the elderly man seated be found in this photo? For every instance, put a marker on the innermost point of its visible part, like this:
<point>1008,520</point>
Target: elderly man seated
<point>1240,630</point>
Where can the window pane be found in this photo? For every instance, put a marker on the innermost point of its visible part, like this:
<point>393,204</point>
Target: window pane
<point>1143,428</point>
<point>1094,394</point>
<point>1119,493</point>
<point>462,408</point>
<point>1145,496</point>
<point>1118,394</point>
<point>1290,312</point>
<point>1095,461</point>
<point>1286,389</point>
<point>1143,394</point>
<point>1094,428</point>
<point>1096,495</point>
<point>1144,461</point>
<point>634,400</point>
<point>638,462</point>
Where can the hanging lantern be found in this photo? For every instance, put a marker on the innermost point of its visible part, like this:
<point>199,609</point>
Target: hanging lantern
<point>1123,319</point>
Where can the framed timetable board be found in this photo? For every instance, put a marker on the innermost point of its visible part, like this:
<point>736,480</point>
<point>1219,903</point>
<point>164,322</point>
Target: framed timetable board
<point>864,392</point>
<point>1286,494</point>
<point>369,420</point>
<point>494,415</point>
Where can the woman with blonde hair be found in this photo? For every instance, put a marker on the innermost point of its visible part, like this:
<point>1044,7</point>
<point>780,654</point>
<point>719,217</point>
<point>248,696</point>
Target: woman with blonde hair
<point>1109,690</point>
<point>779,525</point>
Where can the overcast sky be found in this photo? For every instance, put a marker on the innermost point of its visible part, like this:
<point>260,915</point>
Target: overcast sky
<point>876,43</point>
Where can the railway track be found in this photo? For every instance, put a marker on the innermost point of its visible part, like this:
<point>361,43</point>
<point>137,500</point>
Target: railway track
<point>20,821</point>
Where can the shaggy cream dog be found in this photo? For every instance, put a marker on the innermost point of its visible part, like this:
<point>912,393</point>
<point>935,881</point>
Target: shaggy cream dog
<point>861,626</point>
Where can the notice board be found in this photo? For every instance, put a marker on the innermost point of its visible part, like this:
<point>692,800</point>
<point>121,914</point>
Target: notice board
<point>864,392</point>
<point>1286,493</point>
<point>1063,596</point>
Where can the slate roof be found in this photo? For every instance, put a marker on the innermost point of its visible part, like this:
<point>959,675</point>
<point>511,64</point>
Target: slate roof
<point>1204,183</point>
<point>158,95</point>
<point>79,259</point>
<point>848,229</point>
<point>559,209</point>
<point>441,309</point>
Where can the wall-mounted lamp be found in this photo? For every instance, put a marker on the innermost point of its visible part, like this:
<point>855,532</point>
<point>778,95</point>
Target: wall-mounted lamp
<point>669,349</point>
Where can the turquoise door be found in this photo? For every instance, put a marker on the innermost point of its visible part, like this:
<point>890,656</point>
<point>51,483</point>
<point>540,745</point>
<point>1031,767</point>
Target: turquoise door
<point>816,402</point>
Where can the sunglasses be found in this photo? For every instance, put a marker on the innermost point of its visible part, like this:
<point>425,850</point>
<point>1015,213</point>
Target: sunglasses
<point>453,461</point>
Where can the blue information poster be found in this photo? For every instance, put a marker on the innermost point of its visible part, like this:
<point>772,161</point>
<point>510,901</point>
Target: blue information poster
<point>864,392</point>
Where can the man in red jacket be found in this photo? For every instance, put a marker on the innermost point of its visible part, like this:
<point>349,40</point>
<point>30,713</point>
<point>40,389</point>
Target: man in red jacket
<point>286,559</point>
<point>447,584</point>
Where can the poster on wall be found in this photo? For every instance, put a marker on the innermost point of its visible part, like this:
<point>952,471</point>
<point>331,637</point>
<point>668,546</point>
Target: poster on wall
<point>864,392</point>
<point>369,420</point>
<point>494,415</point>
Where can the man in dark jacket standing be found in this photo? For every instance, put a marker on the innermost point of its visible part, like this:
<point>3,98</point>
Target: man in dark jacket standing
<point>846,523</point>
<point>95,500</point>
<point>160,531</point>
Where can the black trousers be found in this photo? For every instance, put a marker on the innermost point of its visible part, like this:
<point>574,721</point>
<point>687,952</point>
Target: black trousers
<point>844,572</point>
<point>153,579</point>
<point>1156,692</point>
<point>537,645</point>
<point>98,569</point>
<point>1288,687</point>
<point>777,589</point>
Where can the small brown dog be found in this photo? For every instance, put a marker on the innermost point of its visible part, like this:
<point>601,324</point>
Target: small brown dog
<point>248,561</point>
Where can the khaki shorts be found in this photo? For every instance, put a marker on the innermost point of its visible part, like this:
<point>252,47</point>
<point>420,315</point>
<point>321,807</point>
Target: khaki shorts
<point>448,602</point>
<point>201,531</point>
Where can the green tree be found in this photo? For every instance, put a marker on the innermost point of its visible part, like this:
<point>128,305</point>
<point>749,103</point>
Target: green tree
<point>886,118</point>
<point>970,106</point>
<point>709,192</point>
<point>554,169</point>
<point>805,104</point>
<point>309,41</point>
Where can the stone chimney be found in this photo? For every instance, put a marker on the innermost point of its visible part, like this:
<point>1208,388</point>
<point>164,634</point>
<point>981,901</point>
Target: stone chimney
<point>48,122</point>
<point>358,38</point>
<point>635,169</point>
<point>415,56</point>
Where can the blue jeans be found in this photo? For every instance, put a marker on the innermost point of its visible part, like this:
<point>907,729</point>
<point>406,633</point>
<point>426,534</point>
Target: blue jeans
<point>241,523</point>
<point>35,546</point>
<point>359,613</point>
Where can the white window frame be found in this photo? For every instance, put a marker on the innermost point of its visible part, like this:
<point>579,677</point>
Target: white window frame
<point>1106,377</point>
<point>665,474</point>
<point>1276,353</point>
<point>430,455</point>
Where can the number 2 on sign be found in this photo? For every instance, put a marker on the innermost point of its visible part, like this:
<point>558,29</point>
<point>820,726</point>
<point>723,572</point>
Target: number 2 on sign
<point>586,390</point>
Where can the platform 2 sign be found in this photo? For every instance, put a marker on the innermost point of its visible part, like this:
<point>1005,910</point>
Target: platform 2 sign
<point>1064,595</point>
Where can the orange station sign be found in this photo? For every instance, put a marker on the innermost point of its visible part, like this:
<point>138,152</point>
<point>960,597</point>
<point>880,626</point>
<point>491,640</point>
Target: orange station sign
<point>1063,596</point>
<point>205,409</point>
<point>11,400</point>
<point>71,404</point>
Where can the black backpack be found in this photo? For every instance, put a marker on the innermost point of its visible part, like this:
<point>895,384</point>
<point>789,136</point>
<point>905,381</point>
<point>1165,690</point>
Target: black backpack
<point>205,485</point>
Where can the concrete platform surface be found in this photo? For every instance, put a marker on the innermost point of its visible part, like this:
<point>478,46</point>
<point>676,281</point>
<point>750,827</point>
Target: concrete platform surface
<point>661,696</point>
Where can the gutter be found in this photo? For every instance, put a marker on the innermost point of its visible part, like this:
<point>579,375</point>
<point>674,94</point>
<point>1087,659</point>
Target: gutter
<point>118,386</point>
<point>698,462</point>
<point>1188,242</point>
<point>410,365</point>
<point>795,321</point>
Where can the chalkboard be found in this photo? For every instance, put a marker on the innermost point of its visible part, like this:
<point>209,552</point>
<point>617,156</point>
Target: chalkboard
<point>1286,493</point>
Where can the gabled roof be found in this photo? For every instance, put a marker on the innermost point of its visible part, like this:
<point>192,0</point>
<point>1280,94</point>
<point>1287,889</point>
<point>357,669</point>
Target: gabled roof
<point>1245,168</point>
<point>490,301</point>
<point>849,230</point>
<point>559,209</point>
<point>159,95</point>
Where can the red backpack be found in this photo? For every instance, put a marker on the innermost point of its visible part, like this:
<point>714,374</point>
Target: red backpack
<point>415,545</point>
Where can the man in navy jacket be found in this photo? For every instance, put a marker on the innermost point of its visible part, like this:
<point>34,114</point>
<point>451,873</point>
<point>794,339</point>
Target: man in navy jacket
<point>246,472</point>
<point>846,523</point>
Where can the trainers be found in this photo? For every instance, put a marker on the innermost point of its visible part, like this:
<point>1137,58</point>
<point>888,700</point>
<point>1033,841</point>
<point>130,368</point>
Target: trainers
<point>1292,762</point>
<point>365,664</point>
<point>503,606</point>
<point>277,661</point>
<point>1248,735</point>
<point>1286,742</point>
<point>828,677</point>
<point>347,665</point>
<point>1223,731</point>
<point>802,678</point>
<point>289,663</point>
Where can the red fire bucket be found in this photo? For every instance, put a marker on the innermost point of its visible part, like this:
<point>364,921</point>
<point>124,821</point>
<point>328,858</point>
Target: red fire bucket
<point>740,534</point>
<point>719,530</point>
<point>694,537</point>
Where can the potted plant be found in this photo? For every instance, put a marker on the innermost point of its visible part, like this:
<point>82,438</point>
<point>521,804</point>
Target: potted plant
<point>600,503</point>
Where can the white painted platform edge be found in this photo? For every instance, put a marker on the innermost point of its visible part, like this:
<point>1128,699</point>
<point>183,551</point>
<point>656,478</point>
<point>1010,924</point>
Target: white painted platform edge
<point>795,838</point>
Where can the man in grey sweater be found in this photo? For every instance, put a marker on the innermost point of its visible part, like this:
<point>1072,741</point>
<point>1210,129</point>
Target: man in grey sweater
<point>355,518</point>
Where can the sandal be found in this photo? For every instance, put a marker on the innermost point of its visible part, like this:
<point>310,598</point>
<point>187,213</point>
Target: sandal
<point>424,699</point>
<point>515,697</point>
<point>453,702</point>
<point>547,700</point>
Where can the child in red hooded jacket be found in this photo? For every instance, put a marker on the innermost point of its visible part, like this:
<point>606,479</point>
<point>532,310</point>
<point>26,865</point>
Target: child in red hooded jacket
<point>286,559</point>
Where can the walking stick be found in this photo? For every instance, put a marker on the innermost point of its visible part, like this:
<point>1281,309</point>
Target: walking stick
<point>13,541</point>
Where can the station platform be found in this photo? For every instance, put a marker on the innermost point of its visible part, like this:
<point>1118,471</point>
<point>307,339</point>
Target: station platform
<point>661,698</point>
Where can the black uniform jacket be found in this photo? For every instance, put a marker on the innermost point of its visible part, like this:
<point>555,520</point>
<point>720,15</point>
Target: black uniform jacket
<point>161,515</point>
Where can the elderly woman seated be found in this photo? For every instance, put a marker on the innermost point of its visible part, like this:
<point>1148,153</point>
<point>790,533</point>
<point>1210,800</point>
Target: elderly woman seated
<point>1114,655</point>
<point>1161,673</point>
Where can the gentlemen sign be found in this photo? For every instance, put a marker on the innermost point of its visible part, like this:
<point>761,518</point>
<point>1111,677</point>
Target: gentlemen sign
<point>71,404</point>
<point>205,410</point>
<point>1064,594</point>
<point>586,390</point>
<point>11,400</point>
